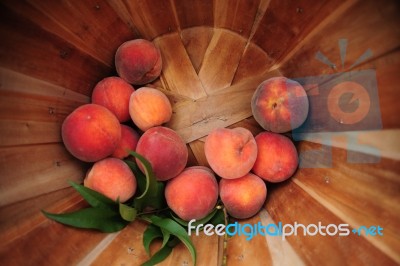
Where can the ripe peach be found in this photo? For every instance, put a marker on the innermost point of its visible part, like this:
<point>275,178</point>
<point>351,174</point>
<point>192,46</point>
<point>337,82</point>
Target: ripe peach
<point>231,153</point>
<point>138,61</point>
<point>149,107</point>
<point>243,197</point>
<point>128,142</point>
<point>165,150</point>
<point>279,104</point>
<point>193,193</point>
<point>114,94</point>
<point>91,132</point>
<point>277,157</point>
<point>113,178</point>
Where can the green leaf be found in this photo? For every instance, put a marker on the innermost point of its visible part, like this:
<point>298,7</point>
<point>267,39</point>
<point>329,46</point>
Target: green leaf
<point>159,256</point>
<point>163,252</point>
<point>127,213</point>
<point>105,220</point>
<point>151,190</point>
<point>140,177</point>
<point>174,229</point>
<point>151,233</point>
<point>94,198</point>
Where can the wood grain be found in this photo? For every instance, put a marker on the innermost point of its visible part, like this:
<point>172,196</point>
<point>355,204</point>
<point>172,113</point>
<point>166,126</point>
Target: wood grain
<point>47,57</point>
<point>35,177</point>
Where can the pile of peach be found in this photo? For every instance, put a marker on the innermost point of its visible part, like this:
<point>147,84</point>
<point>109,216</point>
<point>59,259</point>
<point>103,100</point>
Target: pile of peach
<point>121,118</point>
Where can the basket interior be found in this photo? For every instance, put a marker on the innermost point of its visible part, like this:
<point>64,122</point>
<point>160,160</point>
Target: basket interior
<point>215,53</point>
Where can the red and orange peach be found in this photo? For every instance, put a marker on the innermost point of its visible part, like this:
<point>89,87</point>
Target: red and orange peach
<point>165,150</point>
<point>91,132</point>
<point>280,104</point>
<point>231,153</point>
<point>192,194</point>
<point>243,197</point>
<point>138,61</point>
<point>277,157</point>
<point>149,107</point>
<point>128,142</point>
<point>113,178</point>
<point>114,94</point>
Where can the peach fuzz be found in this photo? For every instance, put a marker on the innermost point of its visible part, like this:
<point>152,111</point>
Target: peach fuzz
<point>277,157</point>
<point>231,153</point>
<point>114,94</point>
<point>243,197</point>
<point>192,194</point>
<point>128,142</point>
<point>113,178</point>
<point>149,107</point>
<point>138,61</point>
<point>91,132</point>
<point>280,104</point>
<point>165,150</point>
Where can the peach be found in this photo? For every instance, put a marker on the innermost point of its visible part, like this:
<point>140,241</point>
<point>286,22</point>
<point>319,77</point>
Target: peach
<point>113,178</point>
<point>243,197</point>
<point>128,142</point>
<point>114,94</point>
<point>280,104</point>
<point>138,61</point>
<point>231,153</point>
<point>149,107</point>
<point>91,132</point>
<point>277,157</point>
<point>192,194</point>
<point>165,150</point>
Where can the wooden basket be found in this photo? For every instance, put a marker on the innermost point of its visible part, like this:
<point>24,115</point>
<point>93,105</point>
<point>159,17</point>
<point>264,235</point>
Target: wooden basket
<point>215,53</point>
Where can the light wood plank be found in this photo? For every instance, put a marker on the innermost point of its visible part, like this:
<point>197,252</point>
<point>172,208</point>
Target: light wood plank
<point>244,251</point>
<point>287,202</point>
<point>196,41</point>
<point>152,18</point>
<point>195,119</point>
<point>221,60</point>
<point>178,75</point>
<point>29,171</point>
<point>253,62</point>
<point>358,193</point>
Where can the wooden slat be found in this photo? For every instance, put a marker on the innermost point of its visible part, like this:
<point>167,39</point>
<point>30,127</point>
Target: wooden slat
<point>195,119</point>
<point>178,74</point>
<point>22,217</point>
<point>374,23</point>
<point>28,132</point>
<point>253,62</point>
<point>47,57</point>
<point>79,25</point>
<point>359,193</point>
<point>29,171</point>
<point>287,203</point>
<point>51,243</point>
<point>152,18</point>
<point>196,41</point>
<point>237,16</point>
<point>194,13</point>
<point>381,143</point>
<point>16,82</point>
<point>242,251</point>
<point>221,60</point>
<point>31,107</point>
<point>285,23</point>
